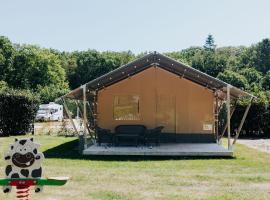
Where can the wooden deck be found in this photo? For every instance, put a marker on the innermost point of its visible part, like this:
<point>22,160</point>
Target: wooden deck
<point>187,149</point>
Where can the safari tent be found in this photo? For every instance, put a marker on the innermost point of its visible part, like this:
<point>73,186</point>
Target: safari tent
<point>157,91</point>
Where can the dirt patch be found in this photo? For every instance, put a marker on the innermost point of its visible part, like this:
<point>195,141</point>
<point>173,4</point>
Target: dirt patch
<point>259,144</point>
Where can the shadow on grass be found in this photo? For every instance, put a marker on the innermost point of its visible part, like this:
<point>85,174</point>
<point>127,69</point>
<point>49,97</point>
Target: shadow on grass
<point>69,150</point>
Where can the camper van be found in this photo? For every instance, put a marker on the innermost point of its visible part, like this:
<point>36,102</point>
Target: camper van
<point>50,112</point>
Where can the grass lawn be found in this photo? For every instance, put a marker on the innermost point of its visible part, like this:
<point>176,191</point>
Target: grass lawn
<point>247,176</point>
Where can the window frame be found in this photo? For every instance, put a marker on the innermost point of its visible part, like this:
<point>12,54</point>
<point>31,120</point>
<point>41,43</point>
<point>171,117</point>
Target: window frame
<point>138,114</point>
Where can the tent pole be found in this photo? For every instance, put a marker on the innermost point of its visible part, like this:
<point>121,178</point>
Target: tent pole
<point>84,117</point>
<point>69,115</point>
<point>242,120</point>
<point>216,117</point>
<point>229,116</point>
<point>95,113</point>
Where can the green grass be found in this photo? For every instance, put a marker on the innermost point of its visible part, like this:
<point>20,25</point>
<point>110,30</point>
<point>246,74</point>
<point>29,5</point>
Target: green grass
<point>246,176</point>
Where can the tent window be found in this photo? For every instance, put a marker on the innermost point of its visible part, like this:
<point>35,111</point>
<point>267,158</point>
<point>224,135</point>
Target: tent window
<point>126,107</point>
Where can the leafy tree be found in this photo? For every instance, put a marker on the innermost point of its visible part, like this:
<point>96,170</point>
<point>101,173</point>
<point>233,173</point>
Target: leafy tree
<point>92,64</point>
<point>6,57</point>
<point>209,43</point>
<point>209,62</point>
<point>34,67</point>
<point>186,55</point>
<point>51,92</point>
<point>68,63</point>
<point>266,81</point>
<point>251,74</point>
<point>258,56</point>
<point>234,79</point>
<point>231,55</point>
<point>262,61</point>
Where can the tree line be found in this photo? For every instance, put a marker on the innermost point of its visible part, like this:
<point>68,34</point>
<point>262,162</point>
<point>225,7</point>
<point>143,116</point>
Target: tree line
<point>49,73</point>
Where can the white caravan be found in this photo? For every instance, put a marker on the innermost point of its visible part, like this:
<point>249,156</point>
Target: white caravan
<point>50,112</point>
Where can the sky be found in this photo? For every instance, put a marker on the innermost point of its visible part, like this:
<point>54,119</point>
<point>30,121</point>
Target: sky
<point>136,25</point>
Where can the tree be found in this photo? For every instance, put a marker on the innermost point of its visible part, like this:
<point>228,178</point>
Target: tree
<point>209,43</point>
<point>209,62</point>
<point>49,93</point>
<point>184,56</point>
<point>257,56</point>
<point>34,67</point>
<point>262,60</point>
<point>234,79</point>
<point>266,81</point>
<point>92,64</point>
<point>6,57</point>
<point>251,74</point>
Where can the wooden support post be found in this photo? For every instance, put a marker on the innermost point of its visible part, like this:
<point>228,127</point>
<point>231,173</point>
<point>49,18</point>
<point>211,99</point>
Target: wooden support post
<point>242,120</point>
<point>216,117</point>
<point>95,114</point>
<point>229,116</point>
<point>84,117</point>
<point>69,115</point>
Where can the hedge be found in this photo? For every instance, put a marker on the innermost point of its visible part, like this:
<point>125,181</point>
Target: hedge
<point>17,111</point>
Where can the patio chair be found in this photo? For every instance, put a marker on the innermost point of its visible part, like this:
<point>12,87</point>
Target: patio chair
<point>153,135</point>
<point>104,136</point>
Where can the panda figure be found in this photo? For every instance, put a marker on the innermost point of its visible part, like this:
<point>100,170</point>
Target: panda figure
<point>23,161</point>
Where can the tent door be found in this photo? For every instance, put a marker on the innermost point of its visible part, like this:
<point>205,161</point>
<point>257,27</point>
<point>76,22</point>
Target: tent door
<point>165,112</point>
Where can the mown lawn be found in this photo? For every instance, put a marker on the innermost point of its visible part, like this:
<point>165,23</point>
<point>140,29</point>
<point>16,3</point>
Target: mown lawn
<point>247,176</point>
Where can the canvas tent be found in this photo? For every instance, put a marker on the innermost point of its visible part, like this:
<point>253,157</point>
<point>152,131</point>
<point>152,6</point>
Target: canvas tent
<point>156,90</point>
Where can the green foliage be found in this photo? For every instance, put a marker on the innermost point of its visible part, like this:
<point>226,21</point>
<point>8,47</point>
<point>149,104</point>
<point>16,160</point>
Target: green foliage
<point>251,74</point>
<point>234,79</point>
<point>19,111</point>
<point>258,56</point>
<point>3,85</point>
<point>186,56</point>
<point>92,64</point>
<point>51,92</point>
<point>262,61</point>
<point>6,57</point>
<point>33,67</point>
<point>209,62</point>
<point>266,81</point>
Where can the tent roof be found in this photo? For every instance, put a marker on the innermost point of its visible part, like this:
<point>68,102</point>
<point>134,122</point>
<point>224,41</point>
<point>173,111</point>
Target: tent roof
<point>162,61</point>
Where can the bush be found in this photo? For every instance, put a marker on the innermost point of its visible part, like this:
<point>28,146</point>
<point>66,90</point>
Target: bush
<point>17,111</point>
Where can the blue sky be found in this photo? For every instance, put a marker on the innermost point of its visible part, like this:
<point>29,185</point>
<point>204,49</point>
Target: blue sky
<point>138,25</point>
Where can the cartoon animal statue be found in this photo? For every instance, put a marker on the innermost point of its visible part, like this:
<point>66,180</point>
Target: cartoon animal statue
<point>23,161</point>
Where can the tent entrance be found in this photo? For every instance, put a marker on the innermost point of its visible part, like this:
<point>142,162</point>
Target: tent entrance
<point>166,112</point>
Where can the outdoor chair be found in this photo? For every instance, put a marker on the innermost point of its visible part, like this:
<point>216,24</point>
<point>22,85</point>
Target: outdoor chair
<point>104,136</point>
<point>153,135</point>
